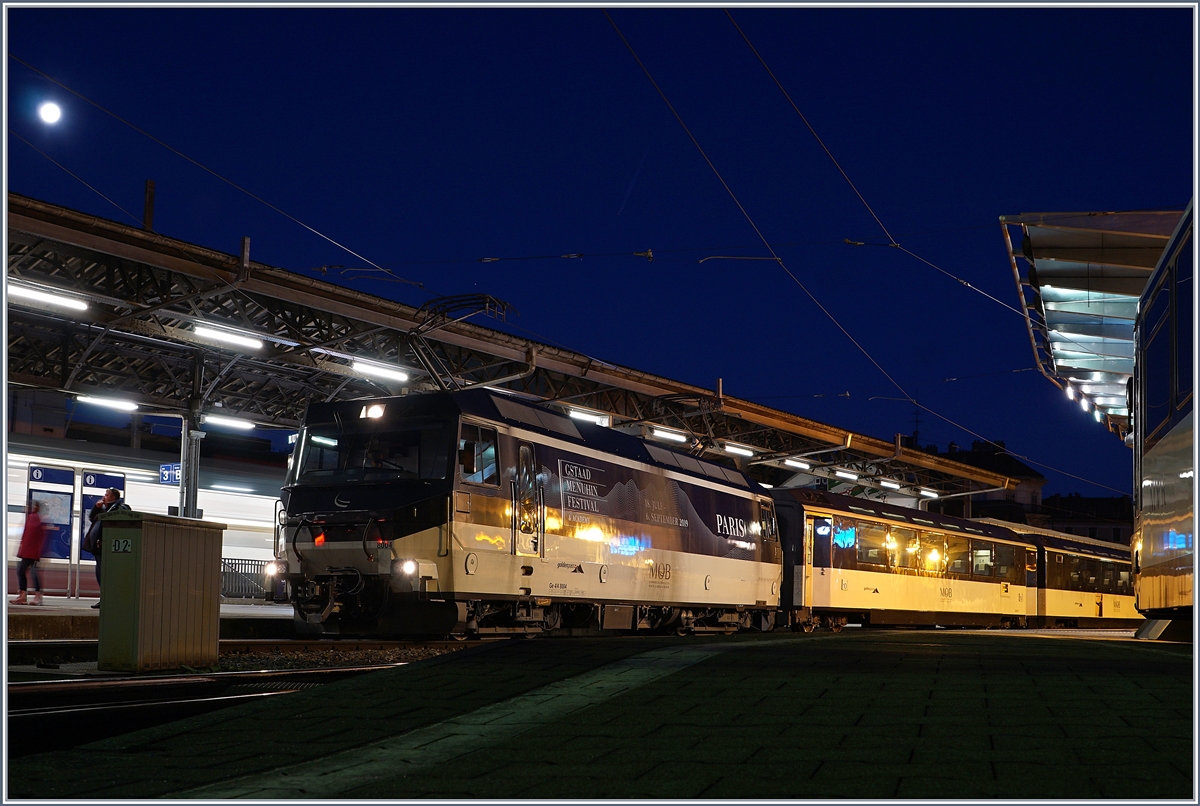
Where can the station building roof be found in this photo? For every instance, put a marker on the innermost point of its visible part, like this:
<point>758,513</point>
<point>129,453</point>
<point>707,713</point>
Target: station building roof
<point>1084,273</point>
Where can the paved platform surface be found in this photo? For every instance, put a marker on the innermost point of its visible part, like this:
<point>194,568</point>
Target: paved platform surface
<point>863,715</point>
<point>63,618</point>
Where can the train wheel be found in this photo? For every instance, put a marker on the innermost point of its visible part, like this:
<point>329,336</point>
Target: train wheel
<point>808,626</point>
<point>836,625</point>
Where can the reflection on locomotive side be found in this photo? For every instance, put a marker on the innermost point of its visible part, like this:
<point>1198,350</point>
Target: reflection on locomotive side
<point>527,521</point>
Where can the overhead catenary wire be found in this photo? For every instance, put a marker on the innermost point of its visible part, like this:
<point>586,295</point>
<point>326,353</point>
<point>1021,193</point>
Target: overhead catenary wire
<point>766,243</point>
<point>892,242</point>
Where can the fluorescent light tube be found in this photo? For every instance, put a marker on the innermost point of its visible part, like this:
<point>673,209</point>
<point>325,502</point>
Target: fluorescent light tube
<point>122,405</point>
<point>229,422</point>
<point>379,371</point>
<point>226,336</point>
<point>49,299</point>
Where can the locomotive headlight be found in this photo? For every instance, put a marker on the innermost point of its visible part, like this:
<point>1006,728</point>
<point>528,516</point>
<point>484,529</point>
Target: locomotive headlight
<point>406,567</point>
<point>271,570</point>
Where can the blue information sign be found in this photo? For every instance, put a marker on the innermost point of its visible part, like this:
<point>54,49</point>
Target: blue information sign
<point>94,485</point>
<point>54,490</point>
<point>169,474</point>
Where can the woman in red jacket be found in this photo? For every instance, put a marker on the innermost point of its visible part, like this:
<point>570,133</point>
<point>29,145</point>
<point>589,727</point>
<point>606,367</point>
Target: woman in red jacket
<point>29,552</point>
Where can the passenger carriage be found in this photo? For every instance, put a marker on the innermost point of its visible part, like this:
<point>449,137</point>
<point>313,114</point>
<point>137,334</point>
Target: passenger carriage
<point>851,560</point>
<point>1082,582</point>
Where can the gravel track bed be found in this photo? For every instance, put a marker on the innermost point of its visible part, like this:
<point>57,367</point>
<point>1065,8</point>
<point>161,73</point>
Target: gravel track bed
<point>327,658</point>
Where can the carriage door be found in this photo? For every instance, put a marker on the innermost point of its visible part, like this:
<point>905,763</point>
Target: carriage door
<point>528,522</point>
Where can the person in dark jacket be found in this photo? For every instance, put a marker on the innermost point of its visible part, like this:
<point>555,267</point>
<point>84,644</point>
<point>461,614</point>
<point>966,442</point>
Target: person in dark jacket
<point>109,503</point>
<point>29,552</point>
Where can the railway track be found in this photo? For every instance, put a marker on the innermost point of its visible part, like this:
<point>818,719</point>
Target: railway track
<point>48,654</point>
<point>60,714</point>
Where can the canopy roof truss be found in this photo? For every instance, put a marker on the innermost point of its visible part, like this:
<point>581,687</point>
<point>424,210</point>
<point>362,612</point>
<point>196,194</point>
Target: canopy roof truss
<point>147,294</point>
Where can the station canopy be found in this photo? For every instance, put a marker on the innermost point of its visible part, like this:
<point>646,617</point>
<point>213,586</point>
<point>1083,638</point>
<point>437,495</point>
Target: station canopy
<point>1084,274</point>
<point>152,304</point>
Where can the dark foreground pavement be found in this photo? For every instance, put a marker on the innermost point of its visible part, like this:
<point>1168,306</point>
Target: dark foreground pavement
<point>929,714</point>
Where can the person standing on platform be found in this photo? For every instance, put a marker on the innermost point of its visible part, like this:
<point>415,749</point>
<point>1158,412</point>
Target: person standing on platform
<point>111,502</point>
<point>29,552</point>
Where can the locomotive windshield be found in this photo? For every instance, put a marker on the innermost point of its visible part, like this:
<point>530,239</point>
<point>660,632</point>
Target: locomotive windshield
<point>416,450</point>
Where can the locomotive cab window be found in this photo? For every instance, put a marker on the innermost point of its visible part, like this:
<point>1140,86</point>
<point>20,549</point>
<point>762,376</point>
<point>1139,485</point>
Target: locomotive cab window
<point>477,458</point>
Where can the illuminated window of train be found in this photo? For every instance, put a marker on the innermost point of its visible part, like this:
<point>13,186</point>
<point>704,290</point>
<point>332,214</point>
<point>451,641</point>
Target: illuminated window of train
<point>958,555</point>
<point>1007,568</point>
<point>1124,587</point>
<point>907,547</point>
<point>477,455</point>
<point>844,535</point>
<point>982,558</point>
<point>872,543</point>
<point>933,551</point>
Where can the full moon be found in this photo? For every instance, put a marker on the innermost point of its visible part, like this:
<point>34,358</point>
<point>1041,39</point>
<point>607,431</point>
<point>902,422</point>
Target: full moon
<point>49,112</point>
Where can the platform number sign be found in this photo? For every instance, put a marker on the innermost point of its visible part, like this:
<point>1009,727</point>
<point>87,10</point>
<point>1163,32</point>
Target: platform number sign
<point>169,474</point>
<point>121,545</point>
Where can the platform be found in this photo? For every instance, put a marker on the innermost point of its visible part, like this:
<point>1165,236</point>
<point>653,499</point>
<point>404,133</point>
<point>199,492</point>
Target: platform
<point>61,618</point>
<point>861,715</point>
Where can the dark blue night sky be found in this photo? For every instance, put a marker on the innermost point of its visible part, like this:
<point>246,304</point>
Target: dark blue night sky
<point>426,139</point>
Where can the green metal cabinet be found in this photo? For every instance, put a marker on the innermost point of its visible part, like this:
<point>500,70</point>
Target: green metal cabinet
<point>160,592</point>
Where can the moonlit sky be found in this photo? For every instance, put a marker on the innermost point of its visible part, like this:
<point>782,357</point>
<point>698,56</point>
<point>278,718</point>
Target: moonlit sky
<point>426,139</point>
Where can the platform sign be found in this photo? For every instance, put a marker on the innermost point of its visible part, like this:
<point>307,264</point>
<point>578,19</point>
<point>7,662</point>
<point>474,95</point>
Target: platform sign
<point>169,474</point>
<point>94,485</point>
<point>54,490</point>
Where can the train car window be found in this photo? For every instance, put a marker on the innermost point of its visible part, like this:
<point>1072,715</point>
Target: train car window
<point>1124,588</point>
<point>1183,322</point>
<point>844,536</point>
<point>933,552</point>
<point>477,455</point>
<point>1076,571</point>
<point>1007,568</point>
<point>820,529</point>
<point>1156,360</point>
<point>1091,579</point>
<point>420,451</point>
<point>958,555</point>
<point>1056,571</point>
<point>1108,577</point>
<point>766,519</point>
<point>982,558</point>
<point>872,543</point>
<point>527,502</point>
<point>905,547</point>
